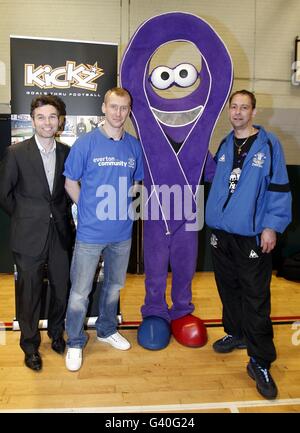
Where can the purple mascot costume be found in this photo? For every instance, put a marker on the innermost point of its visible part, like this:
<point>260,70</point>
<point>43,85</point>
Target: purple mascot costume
<point>174,135</point>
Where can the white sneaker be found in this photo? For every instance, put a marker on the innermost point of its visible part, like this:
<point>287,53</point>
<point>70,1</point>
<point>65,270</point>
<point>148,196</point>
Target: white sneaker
<point>73,358</point>
<point>117,341</point>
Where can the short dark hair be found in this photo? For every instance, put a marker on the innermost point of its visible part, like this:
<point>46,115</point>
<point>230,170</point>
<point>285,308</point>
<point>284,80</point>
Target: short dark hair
<point>53,100</point>
<point>244,92</point>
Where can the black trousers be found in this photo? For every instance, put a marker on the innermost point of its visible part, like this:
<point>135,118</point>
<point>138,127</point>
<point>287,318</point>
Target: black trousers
<point>29,287</point>
<point>243,276</point>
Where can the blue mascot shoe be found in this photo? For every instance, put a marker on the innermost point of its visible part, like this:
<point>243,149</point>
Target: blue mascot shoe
<point>154,333</point>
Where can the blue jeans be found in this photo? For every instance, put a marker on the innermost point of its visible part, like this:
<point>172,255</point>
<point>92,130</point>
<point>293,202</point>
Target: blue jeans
<point>84,264</point>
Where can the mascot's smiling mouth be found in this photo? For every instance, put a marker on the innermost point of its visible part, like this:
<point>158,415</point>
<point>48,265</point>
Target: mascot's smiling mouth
<point>177,118</point>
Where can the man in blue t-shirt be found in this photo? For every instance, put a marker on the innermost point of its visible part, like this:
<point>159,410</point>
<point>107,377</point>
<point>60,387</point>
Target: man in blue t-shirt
<point>102,167</point>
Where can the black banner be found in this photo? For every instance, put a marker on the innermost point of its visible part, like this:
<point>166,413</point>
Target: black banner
<point>79,72</point>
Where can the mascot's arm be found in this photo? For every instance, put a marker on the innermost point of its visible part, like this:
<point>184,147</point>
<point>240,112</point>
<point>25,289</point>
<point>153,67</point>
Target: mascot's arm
<point>209,168</point>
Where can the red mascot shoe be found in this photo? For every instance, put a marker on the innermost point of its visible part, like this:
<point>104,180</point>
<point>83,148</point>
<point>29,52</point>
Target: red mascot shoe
<point>189,330</point>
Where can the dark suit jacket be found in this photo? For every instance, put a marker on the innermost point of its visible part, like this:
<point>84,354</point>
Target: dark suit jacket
<point>26,197</point>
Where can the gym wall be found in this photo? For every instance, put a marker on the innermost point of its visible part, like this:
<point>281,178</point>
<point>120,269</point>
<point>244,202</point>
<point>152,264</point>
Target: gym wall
<point>259,34</point>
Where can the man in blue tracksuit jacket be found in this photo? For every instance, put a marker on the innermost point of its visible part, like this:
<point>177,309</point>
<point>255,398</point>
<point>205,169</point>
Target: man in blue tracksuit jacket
<point>248,203</point>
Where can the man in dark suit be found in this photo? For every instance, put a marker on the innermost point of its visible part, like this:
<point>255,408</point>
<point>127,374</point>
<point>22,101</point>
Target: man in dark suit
<point>32,192</point>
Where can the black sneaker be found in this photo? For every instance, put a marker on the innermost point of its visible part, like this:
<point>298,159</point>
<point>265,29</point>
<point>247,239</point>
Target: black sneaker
<point>228,344</point>
<point>265,384</point>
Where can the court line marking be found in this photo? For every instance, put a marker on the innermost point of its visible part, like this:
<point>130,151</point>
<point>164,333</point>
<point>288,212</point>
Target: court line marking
<point>132,324</point>
<point>233,406</point>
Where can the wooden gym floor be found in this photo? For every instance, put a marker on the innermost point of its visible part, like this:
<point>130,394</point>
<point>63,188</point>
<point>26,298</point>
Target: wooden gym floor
<point>176,379</point>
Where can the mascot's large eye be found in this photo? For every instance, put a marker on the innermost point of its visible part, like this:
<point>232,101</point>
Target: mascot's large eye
<point>162,77</point>
<point>185,75</point>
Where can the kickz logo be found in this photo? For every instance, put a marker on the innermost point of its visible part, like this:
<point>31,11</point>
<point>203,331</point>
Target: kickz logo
<point>259,159</point>
<point>71,75</point>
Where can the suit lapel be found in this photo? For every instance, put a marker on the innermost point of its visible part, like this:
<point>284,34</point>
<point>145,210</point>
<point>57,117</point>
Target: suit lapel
<point>37,163</point>
<point>58,166</point>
